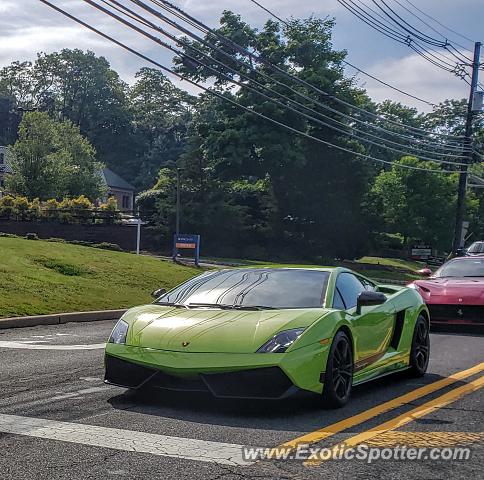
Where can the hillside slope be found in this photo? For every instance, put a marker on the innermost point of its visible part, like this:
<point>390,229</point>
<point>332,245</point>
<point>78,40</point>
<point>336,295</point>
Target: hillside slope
<point>39,277</point>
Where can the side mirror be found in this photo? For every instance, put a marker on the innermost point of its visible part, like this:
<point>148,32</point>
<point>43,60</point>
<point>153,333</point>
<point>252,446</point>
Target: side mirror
<point>425,272</point>
<point>158,293</point>
<point>366,299</point>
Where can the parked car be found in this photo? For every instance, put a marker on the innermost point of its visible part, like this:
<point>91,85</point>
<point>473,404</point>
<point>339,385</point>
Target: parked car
<point>454,294</point>
<point>268,332</point>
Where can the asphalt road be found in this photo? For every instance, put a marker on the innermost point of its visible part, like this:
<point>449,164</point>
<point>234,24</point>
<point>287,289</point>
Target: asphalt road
<point>59,420</point>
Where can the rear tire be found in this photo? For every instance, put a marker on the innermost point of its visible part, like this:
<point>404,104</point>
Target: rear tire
<point>338,379</point>
<point>420,351</point>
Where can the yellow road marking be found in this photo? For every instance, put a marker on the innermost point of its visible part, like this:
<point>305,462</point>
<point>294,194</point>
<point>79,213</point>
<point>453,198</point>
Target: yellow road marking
<point>425,439</point>
<point>337,427</point>
<point>410,416</point>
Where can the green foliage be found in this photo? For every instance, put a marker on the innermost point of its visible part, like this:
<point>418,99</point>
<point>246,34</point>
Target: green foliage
<point>311,199</point>
<point>417,204</point>
<point>64,268</point>
<point>108,246</point>
<point>52,160</point>
<point>110,211</point>
<point>7,207</point>
<point>69,210</point>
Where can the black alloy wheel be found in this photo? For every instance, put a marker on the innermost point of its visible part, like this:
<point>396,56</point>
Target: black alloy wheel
<point>420,352</point>
<point>338,379</point>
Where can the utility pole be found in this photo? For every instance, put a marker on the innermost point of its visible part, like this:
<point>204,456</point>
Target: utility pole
<point>178,201</point>
<point>464,171</point>
<point>138,232</point>
<point>178,208</point>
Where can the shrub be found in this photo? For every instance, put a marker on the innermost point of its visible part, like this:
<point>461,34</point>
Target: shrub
<point>31,236</point>
<point>65,213</point>
<point>83,243</point>
<point>110,212</point>
<point>35,210</point>
<point>81,209</point>
<point>7,207</point>
<point>108,246</point>
<point>22,207</point>
<point>50,210</point>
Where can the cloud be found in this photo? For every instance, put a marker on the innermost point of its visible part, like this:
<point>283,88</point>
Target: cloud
<point>415,75</point>
<point>28,26</point>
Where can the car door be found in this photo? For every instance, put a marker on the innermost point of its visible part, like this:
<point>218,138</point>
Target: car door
<point>372,328</point>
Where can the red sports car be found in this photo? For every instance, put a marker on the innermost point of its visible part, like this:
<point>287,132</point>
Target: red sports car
<point>455,292</point>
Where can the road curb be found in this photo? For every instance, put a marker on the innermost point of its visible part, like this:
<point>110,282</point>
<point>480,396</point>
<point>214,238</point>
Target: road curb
<point>60,318</point>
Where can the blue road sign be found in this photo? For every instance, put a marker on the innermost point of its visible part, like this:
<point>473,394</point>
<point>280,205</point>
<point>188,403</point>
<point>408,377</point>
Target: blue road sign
<point>184,241</point>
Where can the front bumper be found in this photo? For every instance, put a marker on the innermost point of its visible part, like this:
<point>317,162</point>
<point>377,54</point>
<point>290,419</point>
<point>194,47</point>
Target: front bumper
<point>257,375</point>
<point>456,314</point>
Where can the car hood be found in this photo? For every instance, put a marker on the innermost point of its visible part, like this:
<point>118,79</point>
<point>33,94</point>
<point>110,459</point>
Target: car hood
<point>454,291</point>
<point>211,330</point>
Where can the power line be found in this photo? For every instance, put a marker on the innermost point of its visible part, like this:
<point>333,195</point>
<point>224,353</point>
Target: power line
<point>131,14</point>
<point>269,12</point>
<point>411,149</point>
<point>271,79</point>
<point>419,34</point>
<point>439,23</point>
<point>198,24</point>
<point>229,100</point>
<point>427,24</point>
<point>403,24</point>
<point>408,35</point>
<point>360,70</point>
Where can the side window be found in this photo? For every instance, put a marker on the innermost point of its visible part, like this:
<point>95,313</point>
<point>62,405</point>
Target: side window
<point>338,300</point>
<point>368,285</point>
<point>349,288</point>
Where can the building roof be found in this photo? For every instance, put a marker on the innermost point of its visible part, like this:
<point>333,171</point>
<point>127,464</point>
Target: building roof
<point>4,167</point>
<point>113,180</point>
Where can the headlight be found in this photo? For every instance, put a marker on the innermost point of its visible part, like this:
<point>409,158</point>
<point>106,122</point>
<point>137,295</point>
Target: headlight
<point>281,342</point>
<point>120,330</point>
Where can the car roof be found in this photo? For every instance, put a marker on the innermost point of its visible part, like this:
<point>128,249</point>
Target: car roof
<point>470,258</point>
<point>270,267</point>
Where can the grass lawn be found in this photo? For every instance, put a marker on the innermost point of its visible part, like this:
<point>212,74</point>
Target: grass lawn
<point>39,277</point>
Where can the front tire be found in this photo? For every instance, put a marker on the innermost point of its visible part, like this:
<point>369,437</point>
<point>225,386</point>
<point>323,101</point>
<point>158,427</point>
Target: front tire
<point>338,379</point>
<point>420,351</point>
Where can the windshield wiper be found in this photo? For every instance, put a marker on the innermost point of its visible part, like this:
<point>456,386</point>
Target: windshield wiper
<point>253,307</point>
<point>171,304</point>
<point>224,306</point>
<point>210,305</point>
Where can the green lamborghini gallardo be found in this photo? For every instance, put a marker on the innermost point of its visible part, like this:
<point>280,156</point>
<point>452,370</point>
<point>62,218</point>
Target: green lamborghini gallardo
<point>268,332</point>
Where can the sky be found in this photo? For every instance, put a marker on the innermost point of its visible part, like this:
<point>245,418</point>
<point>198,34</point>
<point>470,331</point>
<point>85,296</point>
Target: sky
<point>28,27</point>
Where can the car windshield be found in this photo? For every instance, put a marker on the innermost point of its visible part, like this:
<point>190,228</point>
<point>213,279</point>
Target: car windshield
<point>256,288</point>
<point>468,267</point>
<point>477,247</point>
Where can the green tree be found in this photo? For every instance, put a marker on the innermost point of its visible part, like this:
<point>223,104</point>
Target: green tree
<point>52,160</point>
<point>162,117</point>
<point>317,191</point>
<point>416,204</point>
<point>80,87</point>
